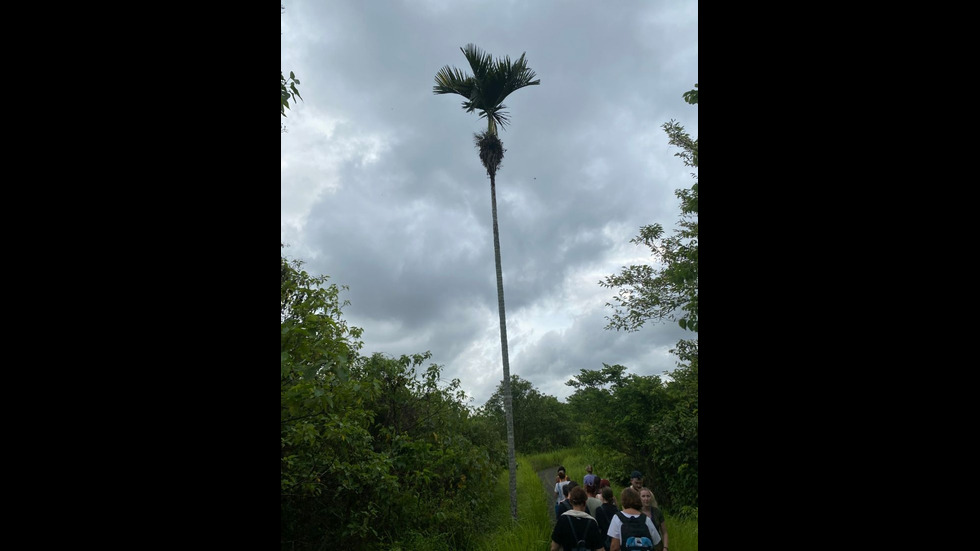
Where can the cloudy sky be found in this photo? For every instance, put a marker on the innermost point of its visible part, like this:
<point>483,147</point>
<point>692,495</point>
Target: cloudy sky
<point>382,189</point>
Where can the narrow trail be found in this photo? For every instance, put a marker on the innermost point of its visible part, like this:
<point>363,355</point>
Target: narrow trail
<point>547,477</point>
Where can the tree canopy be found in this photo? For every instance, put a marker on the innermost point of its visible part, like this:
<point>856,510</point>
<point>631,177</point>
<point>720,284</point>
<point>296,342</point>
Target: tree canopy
<point>491,82</point>
<point>670,291</point>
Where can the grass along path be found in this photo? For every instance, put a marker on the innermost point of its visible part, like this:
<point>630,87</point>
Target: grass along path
<point>547,477</point>
<point>532,531</point>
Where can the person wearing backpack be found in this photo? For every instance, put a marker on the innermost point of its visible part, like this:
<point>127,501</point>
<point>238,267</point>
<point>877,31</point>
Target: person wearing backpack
<point>630,529</point>
<point>605,512</point>
<point>566,505</point>
<point>575,529</point>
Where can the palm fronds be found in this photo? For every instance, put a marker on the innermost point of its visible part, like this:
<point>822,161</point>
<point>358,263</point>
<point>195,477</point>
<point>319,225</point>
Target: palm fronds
<point>488,86</point>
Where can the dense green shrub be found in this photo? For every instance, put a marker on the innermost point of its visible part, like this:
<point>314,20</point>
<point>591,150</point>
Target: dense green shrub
<point>373,451</point>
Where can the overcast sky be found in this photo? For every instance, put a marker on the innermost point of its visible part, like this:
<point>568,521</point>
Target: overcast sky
<point>382,188</point>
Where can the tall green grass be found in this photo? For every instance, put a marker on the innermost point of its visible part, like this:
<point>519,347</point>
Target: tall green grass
<point>682,533</point>
<point>532,532</point>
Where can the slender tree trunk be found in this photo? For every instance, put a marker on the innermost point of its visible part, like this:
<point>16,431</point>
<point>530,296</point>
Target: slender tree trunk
<point>508,397</point>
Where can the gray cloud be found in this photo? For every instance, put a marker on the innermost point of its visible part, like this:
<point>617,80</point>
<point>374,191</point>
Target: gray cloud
<point>383,191</point>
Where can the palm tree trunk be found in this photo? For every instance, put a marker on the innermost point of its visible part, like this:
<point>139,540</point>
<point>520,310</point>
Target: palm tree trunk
<point>508,397</point>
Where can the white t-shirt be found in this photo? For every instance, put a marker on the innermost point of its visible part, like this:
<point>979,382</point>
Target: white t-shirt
<point>558,487</point>
<point>616,528</point>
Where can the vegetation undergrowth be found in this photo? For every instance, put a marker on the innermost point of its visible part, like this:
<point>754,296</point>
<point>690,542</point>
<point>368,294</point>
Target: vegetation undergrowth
<point>532,531</point>
<point>546,460</point>
<point>682,532</point>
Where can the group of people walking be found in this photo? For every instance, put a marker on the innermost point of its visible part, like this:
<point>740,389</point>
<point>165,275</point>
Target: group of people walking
<point>589,517</point>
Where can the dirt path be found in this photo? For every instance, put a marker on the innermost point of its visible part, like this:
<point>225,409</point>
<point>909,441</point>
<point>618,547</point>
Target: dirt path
<point>547,477</point>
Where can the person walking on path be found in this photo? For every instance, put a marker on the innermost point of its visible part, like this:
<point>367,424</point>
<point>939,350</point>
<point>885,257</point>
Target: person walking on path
<point>576,525</point>
<point>560,481</point>
<point>592,491</point>
<point>566,505</point>
<point>605,513</point>
<point>652,511</point>
<point>636,480</point>
<point>632,504</point>
<point>590,479</point>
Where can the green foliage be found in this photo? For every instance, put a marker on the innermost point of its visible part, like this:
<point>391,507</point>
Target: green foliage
<point>374,450</point>
<point>288,91</point>
<point>691,96</point>
<point>607,408</point>
<point>645,292</point>
<point>381,451</point>
<point>540,421</point>
<point>533,531</point>
<point>545,460</point>
<point>674,436</point>
<point>682,530</point>
<point>491,82</point>
<point>629,422</point>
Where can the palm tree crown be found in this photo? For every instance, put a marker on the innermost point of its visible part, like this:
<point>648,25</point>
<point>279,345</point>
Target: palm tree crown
<point>486,88</point>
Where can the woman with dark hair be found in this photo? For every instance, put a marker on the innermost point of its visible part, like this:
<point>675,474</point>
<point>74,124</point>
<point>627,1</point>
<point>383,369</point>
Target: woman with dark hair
<point>604,514</point>
<point>560,481</point>
<point>566,505</point>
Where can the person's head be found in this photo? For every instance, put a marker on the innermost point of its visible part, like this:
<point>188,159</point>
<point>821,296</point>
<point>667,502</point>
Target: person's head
<point>630,499</point>
<point>636,480</point>
<point>604,483</point>
<point>607,494</point>
<point>646,497</point>
<point>561,473</point>
<point>577,497</point>
<point>588,469</point>
<point>567,488</point>
<point>591,489</point>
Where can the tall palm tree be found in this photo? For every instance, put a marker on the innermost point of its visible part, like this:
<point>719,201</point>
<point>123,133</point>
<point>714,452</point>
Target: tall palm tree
<point>485,90</point>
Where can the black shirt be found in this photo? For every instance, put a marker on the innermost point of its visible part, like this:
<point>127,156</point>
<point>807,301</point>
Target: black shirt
<point>585,528</point>
<point>604,515</point>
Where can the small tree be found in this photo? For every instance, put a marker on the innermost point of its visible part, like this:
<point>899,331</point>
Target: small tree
<point>670,291</point>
